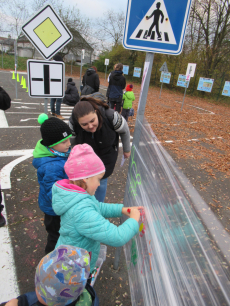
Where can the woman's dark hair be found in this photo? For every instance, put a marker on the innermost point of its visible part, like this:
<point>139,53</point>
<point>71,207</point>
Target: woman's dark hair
<point>119,67</point>
<point>89,105</point>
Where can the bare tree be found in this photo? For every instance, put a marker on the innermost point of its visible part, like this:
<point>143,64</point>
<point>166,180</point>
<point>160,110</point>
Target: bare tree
<point>110,27</point>
<point>208,33</point>
<point>15,13</point>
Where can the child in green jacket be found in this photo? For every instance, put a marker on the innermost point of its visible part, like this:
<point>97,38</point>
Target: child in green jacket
<point>128,98</point>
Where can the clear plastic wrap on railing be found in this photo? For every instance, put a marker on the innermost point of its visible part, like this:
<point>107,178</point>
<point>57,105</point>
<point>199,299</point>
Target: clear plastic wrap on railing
<point>182,252</point>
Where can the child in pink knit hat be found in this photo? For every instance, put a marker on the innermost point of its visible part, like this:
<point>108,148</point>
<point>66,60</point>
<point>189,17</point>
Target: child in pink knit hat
<point>83,218</point>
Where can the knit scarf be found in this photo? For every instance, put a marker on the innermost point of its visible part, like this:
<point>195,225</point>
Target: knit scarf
<point>57,153</point>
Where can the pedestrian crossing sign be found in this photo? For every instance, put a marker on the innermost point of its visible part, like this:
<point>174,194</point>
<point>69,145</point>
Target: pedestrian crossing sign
<point>156,25</point>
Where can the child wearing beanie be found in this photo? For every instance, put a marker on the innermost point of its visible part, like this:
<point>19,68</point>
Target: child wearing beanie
<point>50,155</point>
<point>128,98</point>
<point>61,279</point>
<point>83,222</point>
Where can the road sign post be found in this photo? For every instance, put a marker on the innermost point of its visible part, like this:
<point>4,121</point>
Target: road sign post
<point>106,64</point>
<point>82,57</point>
<point>15,60</point>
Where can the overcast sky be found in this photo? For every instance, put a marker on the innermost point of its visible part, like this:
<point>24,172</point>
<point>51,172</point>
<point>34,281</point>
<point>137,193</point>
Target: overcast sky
<point>95,8</point>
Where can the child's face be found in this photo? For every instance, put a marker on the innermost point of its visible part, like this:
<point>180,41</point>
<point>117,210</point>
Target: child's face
<point>93,182</point>
<point>62,146</point>
<point>89,122</point>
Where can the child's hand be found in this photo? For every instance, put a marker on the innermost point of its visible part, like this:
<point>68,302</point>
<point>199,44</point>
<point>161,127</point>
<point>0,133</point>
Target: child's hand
<point>127,210</point>
<point>135,214</point>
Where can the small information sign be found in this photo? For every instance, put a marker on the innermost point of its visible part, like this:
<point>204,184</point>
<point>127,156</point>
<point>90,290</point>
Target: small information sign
<point>182,81</point>
<point>226,89</point>
<point>137,72</point>
<point>165,77</point>
<point>205,84</point>
<point>126,69</point>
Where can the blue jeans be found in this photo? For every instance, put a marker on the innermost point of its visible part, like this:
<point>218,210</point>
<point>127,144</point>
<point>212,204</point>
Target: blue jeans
<point>58,105</point>
<point>101,190</point>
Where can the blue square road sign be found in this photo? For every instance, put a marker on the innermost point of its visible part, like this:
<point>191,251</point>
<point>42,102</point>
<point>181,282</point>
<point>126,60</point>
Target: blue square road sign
<point>156,26</point>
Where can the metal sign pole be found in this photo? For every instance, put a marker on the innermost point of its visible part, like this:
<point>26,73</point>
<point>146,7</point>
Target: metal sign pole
<point>45,105</point>
<point>105,71</point>
<point>2,55</point>
<point>80,71</point>
<point>161,89</point>
<point>139,119</point>
<point>184,96</point>
<point>71,65</point>
<point>15,60</point>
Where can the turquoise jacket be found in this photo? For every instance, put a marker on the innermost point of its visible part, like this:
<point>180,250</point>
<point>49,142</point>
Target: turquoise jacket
<point>83,222</point>
<point>128,98</point>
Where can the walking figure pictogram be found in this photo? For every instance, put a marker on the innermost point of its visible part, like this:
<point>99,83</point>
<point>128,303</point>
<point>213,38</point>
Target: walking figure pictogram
<point>156,13</point>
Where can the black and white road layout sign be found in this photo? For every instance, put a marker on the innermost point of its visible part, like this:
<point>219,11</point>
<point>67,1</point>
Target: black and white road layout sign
<point>46,79</point>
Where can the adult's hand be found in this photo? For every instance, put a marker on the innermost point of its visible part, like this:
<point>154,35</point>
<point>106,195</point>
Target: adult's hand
<point>127,154</point>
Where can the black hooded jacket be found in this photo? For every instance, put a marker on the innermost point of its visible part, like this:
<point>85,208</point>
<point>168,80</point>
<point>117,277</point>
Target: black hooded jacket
<point>91,78</point>
<point>117,83</point>
<point>71,94</point>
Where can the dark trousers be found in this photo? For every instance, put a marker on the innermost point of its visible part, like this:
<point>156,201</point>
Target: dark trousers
<point>125,114</point>
<point>115,105</point>
<point>52,224</point>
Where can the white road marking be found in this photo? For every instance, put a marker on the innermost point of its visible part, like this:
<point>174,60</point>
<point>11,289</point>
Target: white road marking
<point>28,119</point>
<point>193,139</point>
<point>6,170</point>
<point>14,102</point>
<point>20,72</point>
<point>25,107</point>
<point>15,152</point>
<point>211,113</point>
<point>3,120</point>
<point>24,113</point>
<point>9,285</point>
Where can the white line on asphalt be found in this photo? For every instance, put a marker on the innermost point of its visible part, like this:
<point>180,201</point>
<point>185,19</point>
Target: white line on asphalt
<point>28,119</point>
<point>14,102</point>
<point>21,72</point>
<point>9,285</point>
<point>211,113</point>
<point>193,139</point>
<point>6,170</point>
<point>24,113</point>
<point>24,127</point>
<point>3,120</point>
<point>15,152</point>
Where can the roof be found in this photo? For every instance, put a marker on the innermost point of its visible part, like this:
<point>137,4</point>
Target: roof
<point>6,41</point>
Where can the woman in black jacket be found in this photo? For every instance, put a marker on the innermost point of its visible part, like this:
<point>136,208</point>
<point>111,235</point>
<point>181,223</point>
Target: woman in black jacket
<point>71,94</point>
<point>91,79</point>
<point>94,123</point>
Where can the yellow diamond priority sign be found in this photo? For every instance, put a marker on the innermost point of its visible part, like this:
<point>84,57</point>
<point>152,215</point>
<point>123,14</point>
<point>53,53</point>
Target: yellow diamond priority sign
<point>47,32</point>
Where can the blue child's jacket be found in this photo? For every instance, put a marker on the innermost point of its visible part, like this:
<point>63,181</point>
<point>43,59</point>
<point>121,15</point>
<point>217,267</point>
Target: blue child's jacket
<point>50,169</point>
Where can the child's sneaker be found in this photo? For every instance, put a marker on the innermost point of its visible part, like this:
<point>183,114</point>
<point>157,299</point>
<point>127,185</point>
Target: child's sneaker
<point>2,220</point>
